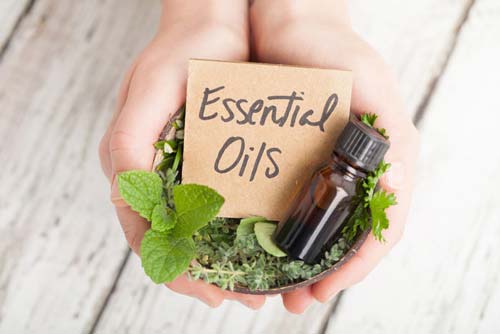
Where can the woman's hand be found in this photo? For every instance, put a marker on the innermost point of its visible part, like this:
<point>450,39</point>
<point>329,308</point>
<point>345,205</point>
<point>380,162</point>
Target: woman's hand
<point>153,89</point>
<point>319,34</point>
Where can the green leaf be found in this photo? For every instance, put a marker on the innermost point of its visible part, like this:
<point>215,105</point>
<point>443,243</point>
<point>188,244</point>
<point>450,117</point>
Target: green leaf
<point>163,218</point>
<point>195,205</point>
<point>369,119</point>
<point>177,160</point>
<point>141,190</point>
<point>379,202</point>
<point>164,257</point>
<point>371,210</point>
<point>358,221</point>
<point>246,225</point>
<point>264,232</point>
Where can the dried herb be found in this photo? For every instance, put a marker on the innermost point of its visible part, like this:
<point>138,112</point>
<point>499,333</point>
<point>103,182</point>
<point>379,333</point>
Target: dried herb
<point>227,251</point>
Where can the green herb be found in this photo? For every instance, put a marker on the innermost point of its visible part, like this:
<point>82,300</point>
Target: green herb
<point>163,218</point>
<point>168,247</point>
<point>369,119</point>
<point>175,211</point>
<point>195,205</point>
<point>246,225</point>
<point>264,232</point>
<point>226,259</point>
<point>379,202</point>
<point>372,203</point>
<point>228,252</point>
<point>164,256</point>
<point>141,190</point>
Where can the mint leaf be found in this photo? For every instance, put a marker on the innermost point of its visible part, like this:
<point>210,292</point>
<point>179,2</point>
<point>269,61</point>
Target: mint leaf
<point>246,226</point>
<point>380,201</point>
<point>163,218</point>
<point>141,190</point>
<point>195,205</point>
<point>164,256</point>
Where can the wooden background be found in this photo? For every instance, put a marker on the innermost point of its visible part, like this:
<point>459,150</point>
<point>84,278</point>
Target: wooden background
<point>65,267</point>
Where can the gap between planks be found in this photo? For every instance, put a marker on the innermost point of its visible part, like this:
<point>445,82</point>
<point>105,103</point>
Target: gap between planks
<point>418,116</point>
<point>424,103</point>
<point>110,293</point>
<point>23,14</point>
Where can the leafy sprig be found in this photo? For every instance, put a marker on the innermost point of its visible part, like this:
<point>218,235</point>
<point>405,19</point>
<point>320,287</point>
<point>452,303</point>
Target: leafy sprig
<point>228,252</point>
<point>228,258</point>
<point>372,202</point>
<point>168,247</point>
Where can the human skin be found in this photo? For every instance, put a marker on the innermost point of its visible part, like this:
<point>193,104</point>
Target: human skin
<point>319,34</point>
<point>301,32</point>
<point>153,89</point>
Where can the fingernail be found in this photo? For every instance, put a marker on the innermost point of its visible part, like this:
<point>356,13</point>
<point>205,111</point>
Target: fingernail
<point>394,178</point>
<point>116,199</point>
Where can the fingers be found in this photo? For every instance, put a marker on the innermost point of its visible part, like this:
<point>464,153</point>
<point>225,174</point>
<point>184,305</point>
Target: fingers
<point>104,153</point>
<point>358,267</point>
<point>375,90</point>
<point>207,293</point>
<point>274,14</point>
<point>133,227</point>
<point>298,301</point>
<point>399,179</point>
<point>154,94</point>
<point>211,294</point>
<point>252,301</point>
<point>402,156</point>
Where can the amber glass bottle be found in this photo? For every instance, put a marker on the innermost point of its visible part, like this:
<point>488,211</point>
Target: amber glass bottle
<point>318,213</point>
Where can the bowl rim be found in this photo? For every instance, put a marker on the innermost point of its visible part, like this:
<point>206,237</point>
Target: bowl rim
<point>285,288</point>
<point>293,286</point>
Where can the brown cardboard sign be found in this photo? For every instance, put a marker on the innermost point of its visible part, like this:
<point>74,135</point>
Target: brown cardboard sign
<point>254,132</point>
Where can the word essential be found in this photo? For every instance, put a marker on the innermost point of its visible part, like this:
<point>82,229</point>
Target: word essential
<point>282,110</point>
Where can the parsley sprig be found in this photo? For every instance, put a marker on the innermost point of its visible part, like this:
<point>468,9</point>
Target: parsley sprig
<point>229,252</point>
<point>372,202</point>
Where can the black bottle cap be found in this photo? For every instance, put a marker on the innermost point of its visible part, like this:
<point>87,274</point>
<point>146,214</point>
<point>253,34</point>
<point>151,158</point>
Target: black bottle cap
<point>361,145</point>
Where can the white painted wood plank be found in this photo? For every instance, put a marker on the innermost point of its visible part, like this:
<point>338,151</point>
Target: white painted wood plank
<point>10,12</point>
<point>416,62</point>
<point>444,276</point>
<point>60,244</point>
<point>138,306</point>
<point>413,37</point>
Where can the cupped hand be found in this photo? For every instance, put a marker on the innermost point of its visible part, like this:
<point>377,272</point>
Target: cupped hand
<point>153,89</point>
<point>319,34</point>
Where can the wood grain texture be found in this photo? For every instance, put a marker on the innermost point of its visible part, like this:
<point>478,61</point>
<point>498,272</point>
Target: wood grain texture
<point>386,35</point>
<point>444,276</point>
<point>60,244</point>
<point>413,36</point>
<point>138,306</point>
<point>11,12</point>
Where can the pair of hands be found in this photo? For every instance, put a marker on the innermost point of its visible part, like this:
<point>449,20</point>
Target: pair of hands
<point>300,32</point>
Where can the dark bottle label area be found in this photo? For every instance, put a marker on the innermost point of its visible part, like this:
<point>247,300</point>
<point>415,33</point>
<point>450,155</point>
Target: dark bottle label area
<point>317,217</point>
